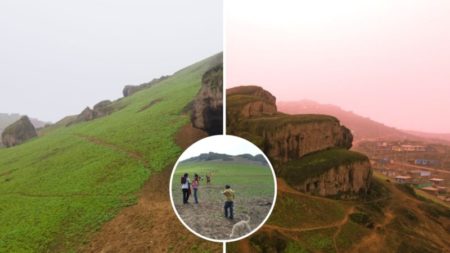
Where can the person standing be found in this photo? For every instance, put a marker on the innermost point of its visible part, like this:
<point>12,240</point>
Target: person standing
<point>229,201</point>
<point>195,184</point>
<point>185,185</point>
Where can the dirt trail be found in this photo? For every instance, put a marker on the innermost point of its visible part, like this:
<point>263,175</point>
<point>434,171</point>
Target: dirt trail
<point>150,225</point>
<point>135,155</point>
<point>283,187</point>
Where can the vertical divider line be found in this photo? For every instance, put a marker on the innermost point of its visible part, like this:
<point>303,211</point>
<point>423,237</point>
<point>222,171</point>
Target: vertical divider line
<point>224,74</point>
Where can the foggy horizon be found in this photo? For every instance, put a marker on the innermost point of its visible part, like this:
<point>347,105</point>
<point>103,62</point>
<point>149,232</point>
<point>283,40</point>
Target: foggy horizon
<point>385,60</point>
<point>58,58</point>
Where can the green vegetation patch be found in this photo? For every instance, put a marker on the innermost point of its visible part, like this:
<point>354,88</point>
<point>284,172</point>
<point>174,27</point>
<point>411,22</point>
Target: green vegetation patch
<point>298,171</point>
<point>350,234</point>
<point>320,240</point>
<point>294,211</point>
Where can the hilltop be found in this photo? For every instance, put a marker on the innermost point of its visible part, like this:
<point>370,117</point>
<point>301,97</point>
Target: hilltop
<point>361,127</point>
<point>98,181</point>
<point>211,156</point>
<point>329,199</point>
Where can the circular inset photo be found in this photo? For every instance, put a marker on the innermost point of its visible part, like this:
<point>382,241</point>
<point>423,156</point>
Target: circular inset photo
<point>223,188</point>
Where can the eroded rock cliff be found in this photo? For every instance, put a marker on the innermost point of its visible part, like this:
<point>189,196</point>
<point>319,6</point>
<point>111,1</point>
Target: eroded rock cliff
<point>207,108</point>
<point>18,132</point>
<point>310,151</point>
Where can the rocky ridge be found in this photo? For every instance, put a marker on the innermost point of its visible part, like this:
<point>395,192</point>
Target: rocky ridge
<point>288,139</point>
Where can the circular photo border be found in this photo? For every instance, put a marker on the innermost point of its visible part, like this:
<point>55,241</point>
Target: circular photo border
<point>234,239</point>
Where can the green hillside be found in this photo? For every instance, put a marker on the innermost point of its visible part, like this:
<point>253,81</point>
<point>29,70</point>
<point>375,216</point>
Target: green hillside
<point>58,189</point>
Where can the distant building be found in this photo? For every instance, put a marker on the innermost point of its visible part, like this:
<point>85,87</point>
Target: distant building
<point>421,173</point>
<point>403,179</point>
<point>424,162</point>
<point>397,148</point>
<point>412,148</point>
<point>436,181</point>
<point>431,189</point>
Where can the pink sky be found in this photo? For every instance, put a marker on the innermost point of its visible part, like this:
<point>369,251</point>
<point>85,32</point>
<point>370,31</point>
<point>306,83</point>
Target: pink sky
<point>387,59</point>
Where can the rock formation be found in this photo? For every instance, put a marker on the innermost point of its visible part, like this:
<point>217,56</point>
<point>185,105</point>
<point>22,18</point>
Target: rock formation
<point>299,145</point>
<point>345,180</point>
<point>129,90</point>
<point>207,108</point>
<point>102,108</point>
<point>19,132</point>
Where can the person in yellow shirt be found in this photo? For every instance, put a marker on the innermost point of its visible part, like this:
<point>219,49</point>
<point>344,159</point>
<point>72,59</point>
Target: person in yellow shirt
<point>229,201</point>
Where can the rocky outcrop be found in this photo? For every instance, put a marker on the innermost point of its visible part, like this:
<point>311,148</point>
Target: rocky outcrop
<point>19,132</point>
<point>343,181</point>
<point>290,141</point>
<point>207,108</point>
<point>102,108</point>
<point>129,90</point>
<point>86,115</point>
<point>282,137</point>
<point>295,139</point>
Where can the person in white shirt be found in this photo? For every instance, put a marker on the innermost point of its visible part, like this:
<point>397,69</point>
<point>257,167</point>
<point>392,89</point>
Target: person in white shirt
<point>185,187</point>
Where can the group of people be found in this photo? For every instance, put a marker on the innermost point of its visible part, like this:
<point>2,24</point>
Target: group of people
<point>186,186</point>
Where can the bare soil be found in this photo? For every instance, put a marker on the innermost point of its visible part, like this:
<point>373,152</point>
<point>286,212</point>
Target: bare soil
<point>208,219</point>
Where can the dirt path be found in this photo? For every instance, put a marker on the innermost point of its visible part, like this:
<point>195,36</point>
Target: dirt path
<point>150,225</point>
<point>135,155</point>
<point>283,187</point>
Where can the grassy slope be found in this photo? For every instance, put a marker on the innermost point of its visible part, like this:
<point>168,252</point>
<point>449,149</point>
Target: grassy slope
<point>56,189</point>
<point>400,222</point>
<point>245,179</point>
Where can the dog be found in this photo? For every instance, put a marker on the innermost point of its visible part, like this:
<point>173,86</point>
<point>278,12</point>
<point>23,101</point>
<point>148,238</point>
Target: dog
<point>239,229</point>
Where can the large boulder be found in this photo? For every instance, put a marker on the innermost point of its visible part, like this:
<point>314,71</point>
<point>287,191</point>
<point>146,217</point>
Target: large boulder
<point>207,108</point>
<point>102,108</point>
<point>19,132</point>
<point>86,115</point>
<point>129,90</point>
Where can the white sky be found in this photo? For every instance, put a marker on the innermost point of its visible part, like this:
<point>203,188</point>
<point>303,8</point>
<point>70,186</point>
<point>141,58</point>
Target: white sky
<point>222,144</point>
<point>57,57</point>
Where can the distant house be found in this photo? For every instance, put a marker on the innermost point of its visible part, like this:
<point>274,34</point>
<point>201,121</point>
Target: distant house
<point>421,173</point>
<point>431,189</point>
<point>424,162</point>
<point>412,148</point>
<point>403,179</point>
<point>436,181</point>
<point>397,148</point>
<point>384,160</point>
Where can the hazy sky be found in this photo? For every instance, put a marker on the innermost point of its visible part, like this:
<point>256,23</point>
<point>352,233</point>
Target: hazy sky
<point>57,57</point>
<point>385,59</point>
<point>221,144</point>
